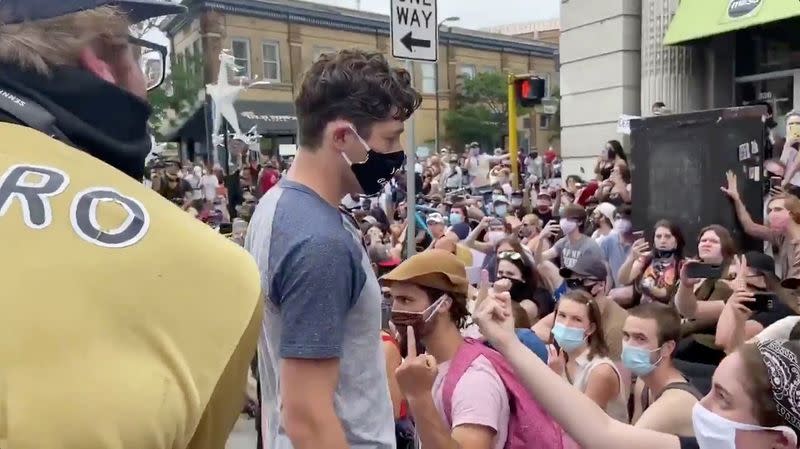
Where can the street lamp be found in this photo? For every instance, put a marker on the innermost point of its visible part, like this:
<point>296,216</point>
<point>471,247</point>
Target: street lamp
<point>436,84</point>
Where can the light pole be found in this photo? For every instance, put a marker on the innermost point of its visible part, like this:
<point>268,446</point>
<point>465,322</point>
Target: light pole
<point>436,85</point>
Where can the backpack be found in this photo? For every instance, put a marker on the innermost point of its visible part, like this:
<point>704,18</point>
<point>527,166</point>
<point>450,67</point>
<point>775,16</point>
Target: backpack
<point>529,425</point>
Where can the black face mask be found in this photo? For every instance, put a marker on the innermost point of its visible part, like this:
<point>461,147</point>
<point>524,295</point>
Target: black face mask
<point>519,290</point>
<point>663,253</point>
<point>378,169</point>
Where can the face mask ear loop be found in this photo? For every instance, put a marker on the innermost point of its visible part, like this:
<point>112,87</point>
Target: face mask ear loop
<point>364,143</point>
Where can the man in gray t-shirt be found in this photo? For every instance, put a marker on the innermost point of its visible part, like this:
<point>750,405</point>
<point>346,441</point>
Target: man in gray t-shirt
<point>321,361</point>
<point>574,244</point>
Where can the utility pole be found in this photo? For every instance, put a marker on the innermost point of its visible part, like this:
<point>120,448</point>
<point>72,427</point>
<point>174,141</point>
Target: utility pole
<point>436,88</point>
<point>411,194</point>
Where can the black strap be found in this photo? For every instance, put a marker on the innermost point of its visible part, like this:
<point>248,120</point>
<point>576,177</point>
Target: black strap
<point>30,114</point>
<point>685,386</point>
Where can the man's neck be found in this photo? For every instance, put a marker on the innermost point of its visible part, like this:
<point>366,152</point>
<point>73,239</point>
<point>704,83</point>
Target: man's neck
<point>575,236</point>
<point>315,171</point>
<point>444,344</point>
<point>662,376</point>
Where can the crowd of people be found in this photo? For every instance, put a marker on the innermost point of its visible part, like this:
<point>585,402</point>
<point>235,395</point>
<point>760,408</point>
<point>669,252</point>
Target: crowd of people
<point>535,316</point>
<point>513,296</point>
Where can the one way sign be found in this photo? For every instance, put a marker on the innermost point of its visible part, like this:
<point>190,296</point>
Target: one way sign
<point>415,31</point>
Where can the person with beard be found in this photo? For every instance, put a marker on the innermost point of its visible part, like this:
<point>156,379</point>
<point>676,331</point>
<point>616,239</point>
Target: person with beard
<point>518,270</point>
<point>323,368</point>
<point>602,221</point>
<point>115,350</point>
<point>654,274</point>
<point>429,292</point>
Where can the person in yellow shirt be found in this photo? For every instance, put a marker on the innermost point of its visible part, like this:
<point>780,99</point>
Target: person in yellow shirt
<point>116,332</point>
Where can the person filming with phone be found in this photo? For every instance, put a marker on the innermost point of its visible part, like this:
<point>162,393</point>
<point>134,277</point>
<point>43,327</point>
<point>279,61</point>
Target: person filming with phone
<point>702,294</point>
<point>791,149</point>
<point>654,273</point>
<point>757,301</point>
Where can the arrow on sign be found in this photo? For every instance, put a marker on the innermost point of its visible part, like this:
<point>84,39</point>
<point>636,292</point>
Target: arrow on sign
<point>409,41</point>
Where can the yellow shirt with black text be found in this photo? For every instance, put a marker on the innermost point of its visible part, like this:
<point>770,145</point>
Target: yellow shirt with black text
<point>125,323</point>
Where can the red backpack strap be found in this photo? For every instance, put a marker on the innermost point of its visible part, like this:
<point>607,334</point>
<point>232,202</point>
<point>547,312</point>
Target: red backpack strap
<point>466,354</point>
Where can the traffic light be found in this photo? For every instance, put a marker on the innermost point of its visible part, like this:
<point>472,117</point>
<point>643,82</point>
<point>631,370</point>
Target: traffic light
<point>530,91</point>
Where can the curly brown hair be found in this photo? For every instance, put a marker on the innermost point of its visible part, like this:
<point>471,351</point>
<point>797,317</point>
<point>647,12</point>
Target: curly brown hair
<point>354,85</point>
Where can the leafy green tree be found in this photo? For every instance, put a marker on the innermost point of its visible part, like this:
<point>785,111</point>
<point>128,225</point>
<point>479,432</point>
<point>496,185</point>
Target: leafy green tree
<point>481,112</point>
<point>178,96</point>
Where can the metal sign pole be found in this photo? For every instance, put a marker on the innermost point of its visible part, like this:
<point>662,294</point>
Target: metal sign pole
<point>411,194</point>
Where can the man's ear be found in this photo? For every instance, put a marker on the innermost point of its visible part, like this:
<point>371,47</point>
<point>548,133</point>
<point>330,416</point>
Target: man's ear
<point>668,348</point>
<point>89,61</point>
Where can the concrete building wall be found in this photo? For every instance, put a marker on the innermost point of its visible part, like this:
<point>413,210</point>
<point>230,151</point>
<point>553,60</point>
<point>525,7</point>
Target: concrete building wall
<point>600,76</point>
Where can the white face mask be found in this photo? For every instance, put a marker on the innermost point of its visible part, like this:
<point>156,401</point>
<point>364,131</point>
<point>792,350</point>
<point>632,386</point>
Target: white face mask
<point>622,225</point>
<point>567,226</point>
<point>715,432</point>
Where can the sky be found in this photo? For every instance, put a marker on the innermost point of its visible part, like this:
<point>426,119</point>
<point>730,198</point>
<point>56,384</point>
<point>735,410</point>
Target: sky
<point>473,13</point>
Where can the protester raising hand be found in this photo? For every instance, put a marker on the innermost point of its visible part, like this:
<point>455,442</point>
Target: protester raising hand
<point>592,428</point>
<point>732,189</point>
<point>417,372</point>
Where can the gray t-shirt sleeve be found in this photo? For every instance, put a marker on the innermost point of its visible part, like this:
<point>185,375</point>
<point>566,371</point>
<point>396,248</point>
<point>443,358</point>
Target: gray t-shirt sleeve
<point>315,285</point>
<point>559,245</point>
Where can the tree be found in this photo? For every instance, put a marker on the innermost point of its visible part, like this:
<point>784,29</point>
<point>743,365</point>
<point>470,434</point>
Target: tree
<point>481,113</point>
<point>175,100</point>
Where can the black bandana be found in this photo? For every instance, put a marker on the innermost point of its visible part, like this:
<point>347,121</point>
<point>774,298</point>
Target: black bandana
<point>784,376</point>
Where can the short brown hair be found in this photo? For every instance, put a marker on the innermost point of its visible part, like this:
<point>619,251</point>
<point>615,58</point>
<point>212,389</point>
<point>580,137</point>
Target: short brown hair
<point>43,44</point>
<point>727,245</point>
<point>668,322</point>
<point>354,85</point>
<point>597,341</point>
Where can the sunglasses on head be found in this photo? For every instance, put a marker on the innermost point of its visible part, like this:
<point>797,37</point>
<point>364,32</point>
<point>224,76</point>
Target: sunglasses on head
<point>510,255</point>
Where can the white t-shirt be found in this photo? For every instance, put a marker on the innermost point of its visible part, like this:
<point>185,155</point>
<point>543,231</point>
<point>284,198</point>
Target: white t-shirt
<point>197,193</point>
<point>480,398</point>
<point>209,184</point>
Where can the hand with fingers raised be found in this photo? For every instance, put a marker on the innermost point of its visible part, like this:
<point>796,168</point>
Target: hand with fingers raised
<point>417,372</point>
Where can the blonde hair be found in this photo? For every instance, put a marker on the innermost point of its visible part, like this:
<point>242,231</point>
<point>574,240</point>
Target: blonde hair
<point>41,45</point>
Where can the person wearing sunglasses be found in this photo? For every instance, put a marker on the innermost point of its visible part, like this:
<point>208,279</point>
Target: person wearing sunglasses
<point>590,275</point>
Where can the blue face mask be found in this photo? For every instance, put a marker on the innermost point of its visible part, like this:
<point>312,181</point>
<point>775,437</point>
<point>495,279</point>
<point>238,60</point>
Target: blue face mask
<point>638,360</point>
<point>456,219</point>
<point>569,338</point>
<point>501,211</point>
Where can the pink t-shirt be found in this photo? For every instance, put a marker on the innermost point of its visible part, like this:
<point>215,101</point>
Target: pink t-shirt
<point>480,398</point>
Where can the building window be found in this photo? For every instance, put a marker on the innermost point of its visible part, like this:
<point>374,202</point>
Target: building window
<point>197,48</point>
<point>544,121</point>
<point>467,71</point>
<point>428,78</point>
<point>241,54</point>
<point>272,60</point>
<point>488,69</point>
<point>319,51</point>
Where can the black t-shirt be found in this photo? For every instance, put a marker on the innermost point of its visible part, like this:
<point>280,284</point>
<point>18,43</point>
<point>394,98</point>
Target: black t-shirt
<point>689,443</point>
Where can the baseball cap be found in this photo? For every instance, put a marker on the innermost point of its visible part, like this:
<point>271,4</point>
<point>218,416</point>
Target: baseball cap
<point>433,268</point>
<point>761,263</point>
<point>17,11</point>
<point>502,199</point>
<point>589,265</point>
<point>435,218</point>
<point>370,219</point>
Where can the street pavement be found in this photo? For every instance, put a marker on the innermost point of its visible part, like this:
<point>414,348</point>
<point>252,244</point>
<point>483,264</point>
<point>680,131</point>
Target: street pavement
<point>243,435</point>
